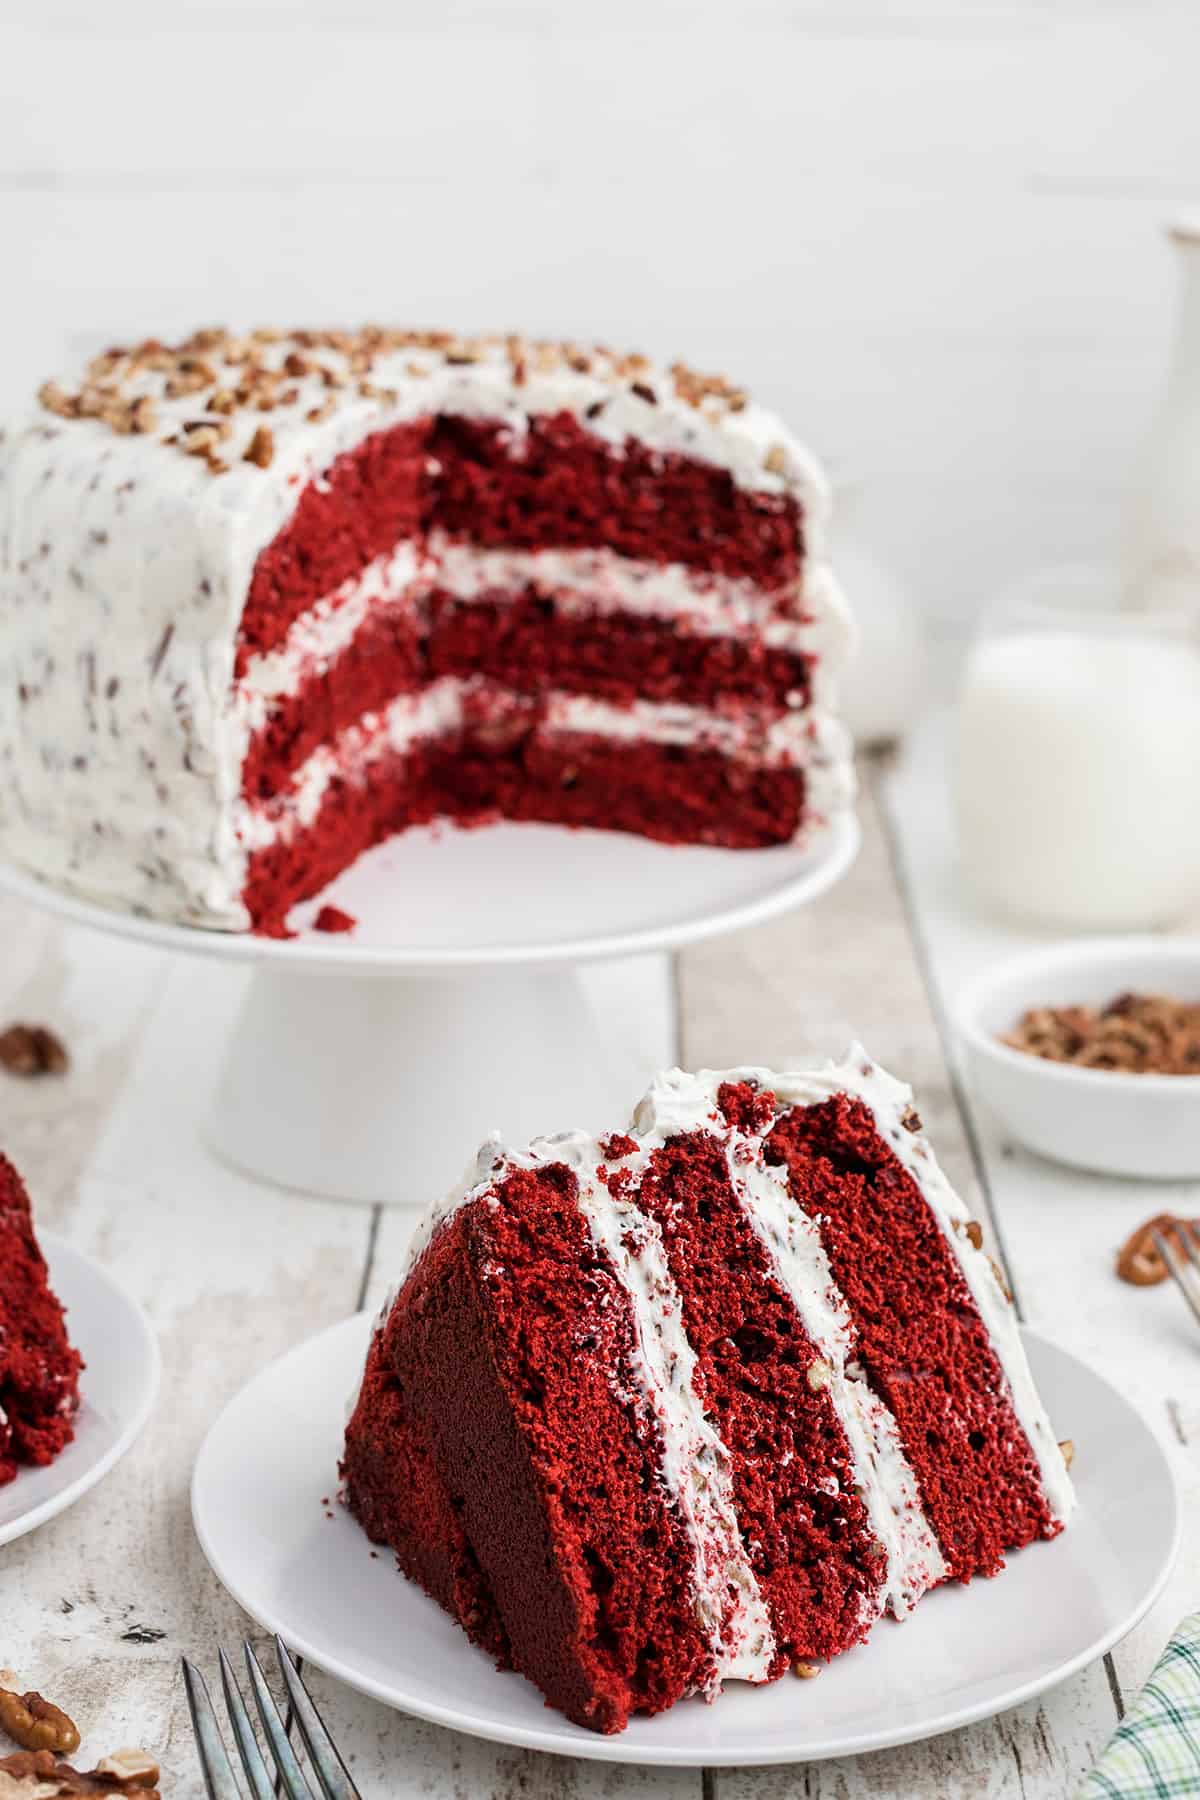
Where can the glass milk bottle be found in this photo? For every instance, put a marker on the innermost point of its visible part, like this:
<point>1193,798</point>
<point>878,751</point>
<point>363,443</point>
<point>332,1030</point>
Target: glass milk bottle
<point>1162,551</point>
<point>1077,765</point>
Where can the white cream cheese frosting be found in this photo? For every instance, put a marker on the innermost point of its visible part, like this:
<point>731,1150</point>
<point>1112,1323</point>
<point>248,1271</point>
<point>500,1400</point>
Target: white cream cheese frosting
<point>125,565</point>
<point>695,1466</point>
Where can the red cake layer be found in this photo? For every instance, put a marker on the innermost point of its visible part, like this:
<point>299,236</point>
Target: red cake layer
<point>673,794</point>
<point>815,1557</point>
<point>372,499</point>
<point>514,1340</point>
<point>562,486</point>
<point>400,1499</point>
<point>922,1343</point>
<point>384,658</point>
<point>524,645</point>
<point>557,486</point>
<point>39,1371</point>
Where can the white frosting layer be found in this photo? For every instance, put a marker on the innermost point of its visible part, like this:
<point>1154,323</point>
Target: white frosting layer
<point>679,1103</point>
<point>682,1102</point>
<point>695,1463</point>
<point>319,636</point>
<point>125,565</point>
<point>811,620</point>
<point>883,1474</point>
<point>811,741</point>
<point>579,582</point>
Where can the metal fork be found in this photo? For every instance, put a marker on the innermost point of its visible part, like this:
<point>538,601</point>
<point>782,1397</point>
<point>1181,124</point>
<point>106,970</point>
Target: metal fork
<point>289,1778</point>
<point>1179,1246</point>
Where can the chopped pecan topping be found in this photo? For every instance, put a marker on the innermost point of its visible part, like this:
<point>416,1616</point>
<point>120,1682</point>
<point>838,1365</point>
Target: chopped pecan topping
<point>261,448</point>
<point>143,416</point>
<point>200,438</point>
<point>1001,1279</point>
<point>1135,1034</point>
<point>57,400</point>
<point>127,388</point>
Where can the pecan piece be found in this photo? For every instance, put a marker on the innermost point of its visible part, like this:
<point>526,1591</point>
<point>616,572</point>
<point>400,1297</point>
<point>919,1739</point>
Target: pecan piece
<point>1139,1260</point>
<point>261,448</point>
<point>34,1723</point>
<point>39,1775</point>
<point>32,1050</point>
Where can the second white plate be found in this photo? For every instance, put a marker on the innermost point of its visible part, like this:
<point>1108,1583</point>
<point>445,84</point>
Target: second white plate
<point>271,1458</point>
<point>118,1389</point>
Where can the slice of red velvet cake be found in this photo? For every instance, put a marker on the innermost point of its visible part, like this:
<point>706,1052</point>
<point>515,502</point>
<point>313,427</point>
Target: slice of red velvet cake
<point>271,598</point>
<point>704,1399</point>
<point>39,1371</point>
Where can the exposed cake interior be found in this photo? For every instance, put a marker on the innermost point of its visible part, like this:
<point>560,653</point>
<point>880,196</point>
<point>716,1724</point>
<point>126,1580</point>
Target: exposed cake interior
<point>919,1338</point>
<point>705,1398</point>
<point>39,1370</point>
<point>456,624</point>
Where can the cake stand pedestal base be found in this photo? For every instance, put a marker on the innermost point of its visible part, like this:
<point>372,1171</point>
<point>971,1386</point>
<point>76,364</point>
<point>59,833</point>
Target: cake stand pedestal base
<point>360,1088</point>
<point>513,978</point>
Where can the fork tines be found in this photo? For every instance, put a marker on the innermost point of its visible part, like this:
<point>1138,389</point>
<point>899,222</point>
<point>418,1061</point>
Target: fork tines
<point>288,1778</point>
<point>1179,1246</point>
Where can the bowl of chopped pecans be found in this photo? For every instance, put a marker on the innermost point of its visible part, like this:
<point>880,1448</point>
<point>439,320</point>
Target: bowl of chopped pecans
<point>1090,1053</point>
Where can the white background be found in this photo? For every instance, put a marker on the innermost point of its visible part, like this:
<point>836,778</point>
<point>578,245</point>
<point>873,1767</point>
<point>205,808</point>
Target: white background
<point>929,232</point>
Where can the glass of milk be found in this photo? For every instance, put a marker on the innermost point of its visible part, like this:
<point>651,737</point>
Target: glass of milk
<point>1077,760</point>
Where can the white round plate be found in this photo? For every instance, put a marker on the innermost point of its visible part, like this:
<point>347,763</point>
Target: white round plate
<point>964,1654</point>
<point>118,1389</point>
<point>436,898</point>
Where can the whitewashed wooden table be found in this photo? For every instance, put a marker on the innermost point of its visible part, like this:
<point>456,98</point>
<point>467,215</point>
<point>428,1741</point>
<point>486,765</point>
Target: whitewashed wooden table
<point>97,1607</point>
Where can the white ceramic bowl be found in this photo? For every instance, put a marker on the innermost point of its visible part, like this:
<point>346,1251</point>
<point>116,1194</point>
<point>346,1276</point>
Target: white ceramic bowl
<point>1131,1125</point>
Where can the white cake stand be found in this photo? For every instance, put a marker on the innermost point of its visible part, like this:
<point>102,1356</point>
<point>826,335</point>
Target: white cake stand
<point>368,1066</point>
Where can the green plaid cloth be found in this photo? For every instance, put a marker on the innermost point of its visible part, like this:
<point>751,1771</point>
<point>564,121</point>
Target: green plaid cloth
<point>1155,1753</point>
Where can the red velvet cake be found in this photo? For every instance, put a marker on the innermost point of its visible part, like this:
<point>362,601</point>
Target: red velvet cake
<point>271,598</point>
<point>702,1400</point>
<point>39,1371</point>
